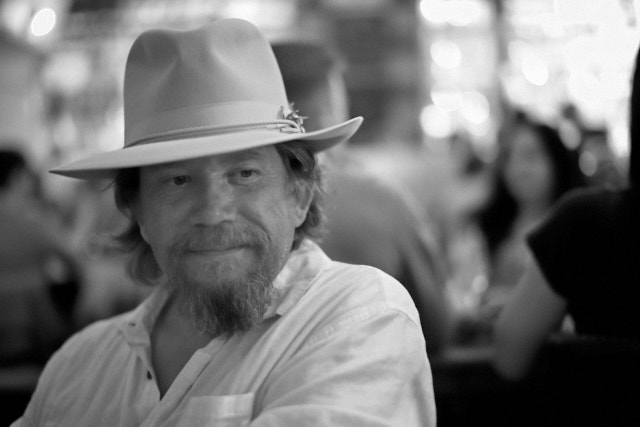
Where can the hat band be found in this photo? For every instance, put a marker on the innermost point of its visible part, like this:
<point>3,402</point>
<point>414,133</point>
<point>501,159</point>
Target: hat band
<point>283,125</point>
<point>152,125</point>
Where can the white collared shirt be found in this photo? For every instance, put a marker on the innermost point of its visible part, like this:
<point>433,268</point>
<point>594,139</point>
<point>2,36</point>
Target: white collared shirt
<point>341,347</point>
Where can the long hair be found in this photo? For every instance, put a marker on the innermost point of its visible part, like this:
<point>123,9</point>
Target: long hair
<point>303,171</point>
<point>496,218</point>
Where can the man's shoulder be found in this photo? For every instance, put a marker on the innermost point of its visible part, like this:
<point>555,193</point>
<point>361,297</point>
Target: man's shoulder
<point>349,287</point>
<point>590,201</point>
<point>344,300</point>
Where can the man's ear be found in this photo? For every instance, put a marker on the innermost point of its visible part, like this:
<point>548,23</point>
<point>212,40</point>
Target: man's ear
<point>303,196</point>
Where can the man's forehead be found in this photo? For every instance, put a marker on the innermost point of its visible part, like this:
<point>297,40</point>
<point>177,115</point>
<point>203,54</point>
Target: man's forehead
<point>258,153</point>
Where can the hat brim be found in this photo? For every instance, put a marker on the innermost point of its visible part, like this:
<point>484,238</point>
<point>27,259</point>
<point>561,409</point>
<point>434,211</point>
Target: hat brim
<point>106,165</point>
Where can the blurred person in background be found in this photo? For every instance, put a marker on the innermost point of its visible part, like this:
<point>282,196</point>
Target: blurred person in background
<point>40,275</point>
<point>93,223</point>
<point>533,170</point>
<point>585,262</point>
<point>368,222</point>
<point>250,322</point>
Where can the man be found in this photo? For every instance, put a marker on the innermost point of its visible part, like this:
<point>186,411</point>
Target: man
<point>251,322</point>
<point>368,222</point>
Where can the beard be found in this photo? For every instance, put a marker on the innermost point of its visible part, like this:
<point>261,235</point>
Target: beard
<point>224,304</point>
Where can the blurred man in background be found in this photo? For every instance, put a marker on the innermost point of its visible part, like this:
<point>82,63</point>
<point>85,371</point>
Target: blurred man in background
<point>368,222</point>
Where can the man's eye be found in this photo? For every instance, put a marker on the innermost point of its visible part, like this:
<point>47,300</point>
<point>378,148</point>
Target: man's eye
<point>244,176</point>
<point>180,180</point>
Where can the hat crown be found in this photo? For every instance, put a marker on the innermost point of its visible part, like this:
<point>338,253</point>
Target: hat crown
<point>179,82</point>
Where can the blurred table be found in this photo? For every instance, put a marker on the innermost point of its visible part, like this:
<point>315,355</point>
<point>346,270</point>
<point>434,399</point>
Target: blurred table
<point>468,391</point>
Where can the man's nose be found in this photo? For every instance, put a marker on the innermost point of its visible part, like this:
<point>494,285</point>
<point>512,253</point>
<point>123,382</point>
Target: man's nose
<point>215,203</point>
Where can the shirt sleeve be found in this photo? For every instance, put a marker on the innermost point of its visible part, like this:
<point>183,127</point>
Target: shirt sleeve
<point>564,241</point>
<point>31,416</point>
<point>56,368</point>
<point>370,369</point>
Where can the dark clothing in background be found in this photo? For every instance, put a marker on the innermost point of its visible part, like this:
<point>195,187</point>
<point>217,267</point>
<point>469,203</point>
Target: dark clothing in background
<point>37,289</point>
<point>589,252</point>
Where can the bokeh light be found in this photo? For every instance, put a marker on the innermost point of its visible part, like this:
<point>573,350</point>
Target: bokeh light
<point>43,22</point>
<point>534,69</point>
<point>447,99</point>
<point>475,107</point>
<point>435,122</point>
<point>458,13</point>
<point>446,54</point>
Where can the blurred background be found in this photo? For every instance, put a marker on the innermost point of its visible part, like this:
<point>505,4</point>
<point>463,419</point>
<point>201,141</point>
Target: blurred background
<point>439,84</point>
<point>437,76</point>
<point>420,72</point>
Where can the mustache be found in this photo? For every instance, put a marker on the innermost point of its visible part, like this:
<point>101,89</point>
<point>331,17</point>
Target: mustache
<point>219,237</point>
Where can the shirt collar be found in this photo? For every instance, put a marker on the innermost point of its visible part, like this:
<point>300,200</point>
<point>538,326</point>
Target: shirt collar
<point>137,324</point>
<point>294,279</point>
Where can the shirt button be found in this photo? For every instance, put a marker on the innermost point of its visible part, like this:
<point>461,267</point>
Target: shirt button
<point>149,376</point>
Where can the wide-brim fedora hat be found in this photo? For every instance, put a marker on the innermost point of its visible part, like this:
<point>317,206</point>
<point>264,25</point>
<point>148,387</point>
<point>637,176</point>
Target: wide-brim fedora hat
<point>196,93</point>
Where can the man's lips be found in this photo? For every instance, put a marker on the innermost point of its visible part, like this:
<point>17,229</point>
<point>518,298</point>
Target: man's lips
<point>215,250</point>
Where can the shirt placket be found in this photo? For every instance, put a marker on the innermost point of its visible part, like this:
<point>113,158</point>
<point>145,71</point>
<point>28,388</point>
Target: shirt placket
<point>178,390</point>
<point>149,394</point>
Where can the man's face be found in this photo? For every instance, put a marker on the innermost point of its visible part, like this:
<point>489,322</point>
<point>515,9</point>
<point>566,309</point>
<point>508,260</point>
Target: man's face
<point>220,224</point>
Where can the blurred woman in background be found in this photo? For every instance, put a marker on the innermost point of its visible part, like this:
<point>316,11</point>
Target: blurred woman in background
<point>534,168</point>
<point>585,263</point>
